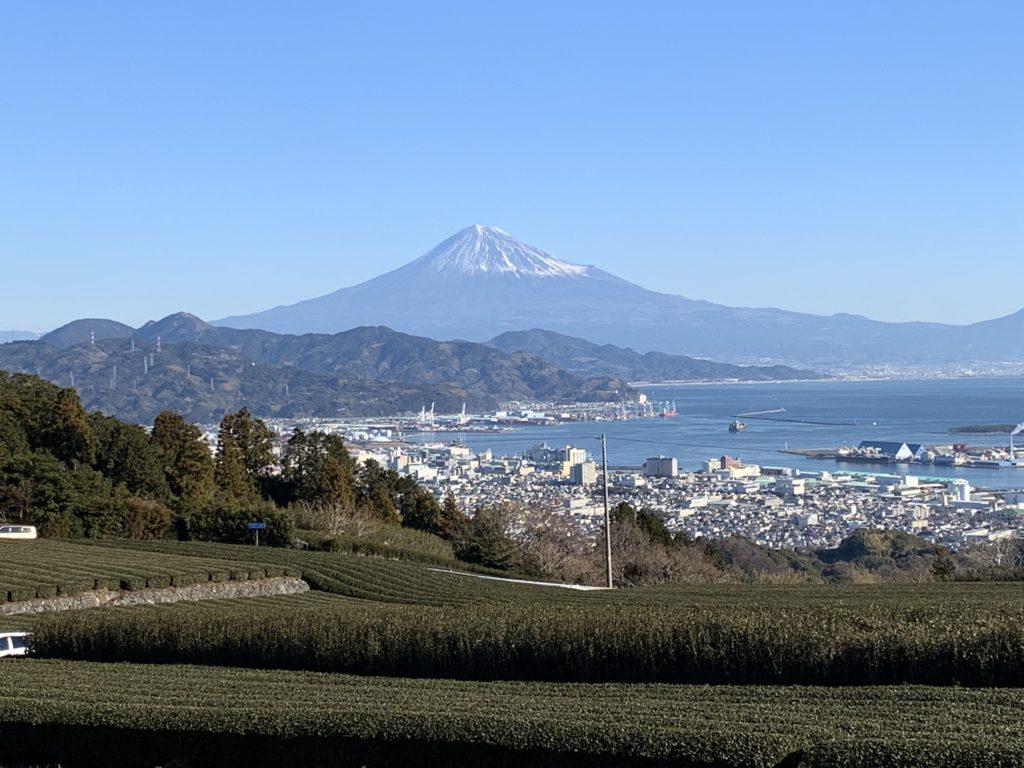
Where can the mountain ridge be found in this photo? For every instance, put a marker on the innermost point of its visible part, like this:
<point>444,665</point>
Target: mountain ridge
<point>182,363</point>
<point>449,293</point>
<point>586,358</point>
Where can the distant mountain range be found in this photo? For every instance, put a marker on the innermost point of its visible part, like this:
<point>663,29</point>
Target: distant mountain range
<point>6,336</point>
<point>183,364</point>
<point>482,282</point>
<point>204,383</point>
<point>588,359</point>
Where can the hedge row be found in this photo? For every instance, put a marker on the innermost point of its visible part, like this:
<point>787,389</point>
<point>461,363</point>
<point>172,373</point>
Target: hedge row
<point>819,645</point>
<point>578,724</point>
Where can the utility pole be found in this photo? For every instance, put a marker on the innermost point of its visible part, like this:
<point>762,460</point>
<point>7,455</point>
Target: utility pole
<point>607,517</point>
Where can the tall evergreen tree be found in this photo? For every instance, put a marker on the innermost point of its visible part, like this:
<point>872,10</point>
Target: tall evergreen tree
<point>317,468</point>
<point>187,462</point>
<point>420,510</point>
<point>376,490</point>
<point>453,519</point>
<point>12,437</point>
<point>254,440</point>
<point>229,473</point>
<point>69,436</point>
<point>126,455</point>
<point>486,538</point>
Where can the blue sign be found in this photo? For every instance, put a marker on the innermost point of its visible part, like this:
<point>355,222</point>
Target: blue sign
<point>257,526</point>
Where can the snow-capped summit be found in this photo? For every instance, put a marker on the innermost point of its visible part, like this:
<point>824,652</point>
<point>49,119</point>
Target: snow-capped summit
<point>479,249</point>
<point>479,282</point>
<point>482,282</point>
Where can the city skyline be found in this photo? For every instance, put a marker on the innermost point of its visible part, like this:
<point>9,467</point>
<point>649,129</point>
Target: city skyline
<point>860,159</point>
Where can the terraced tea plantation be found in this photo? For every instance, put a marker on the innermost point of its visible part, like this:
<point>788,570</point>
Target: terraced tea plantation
<point>44,568</point>
<point>595,641</point>
<point>457,669</point>
<point>392,581</point>
<point>248,717</point>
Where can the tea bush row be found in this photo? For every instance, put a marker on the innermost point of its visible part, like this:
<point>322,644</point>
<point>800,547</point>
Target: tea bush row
<point>321,715</point>
<point>819,644</point>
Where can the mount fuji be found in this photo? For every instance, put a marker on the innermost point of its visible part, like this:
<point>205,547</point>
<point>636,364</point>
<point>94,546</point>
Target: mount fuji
<point>476,284</point>
<point>482,282</point>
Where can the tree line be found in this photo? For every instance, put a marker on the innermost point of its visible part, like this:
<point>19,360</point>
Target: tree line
<point>78,474</point>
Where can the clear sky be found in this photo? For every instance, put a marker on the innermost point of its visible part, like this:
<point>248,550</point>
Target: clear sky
<point>225,157</point>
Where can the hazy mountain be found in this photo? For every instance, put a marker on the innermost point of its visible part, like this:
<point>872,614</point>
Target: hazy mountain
<point>482,282</point>
<point>6,336</point>
<point>85,331</point>
<point>186,365</point>
<point>583,357</point>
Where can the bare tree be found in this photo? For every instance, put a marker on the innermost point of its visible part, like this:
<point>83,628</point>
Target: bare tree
<point>552,545</point>
<point>638,560</point>
<point>337,519</point>
<point>1001,553</point>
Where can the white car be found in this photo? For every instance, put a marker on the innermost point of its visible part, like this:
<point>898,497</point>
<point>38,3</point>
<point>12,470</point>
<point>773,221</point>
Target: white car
<point>18,532</point>
<point>13,644</point>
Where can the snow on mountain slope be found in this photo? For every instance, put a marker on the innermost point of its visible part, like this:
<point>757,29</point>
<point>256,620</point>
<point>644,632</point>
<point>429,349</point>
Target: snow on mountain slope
<point>480,249</point>
<point>482,282</point>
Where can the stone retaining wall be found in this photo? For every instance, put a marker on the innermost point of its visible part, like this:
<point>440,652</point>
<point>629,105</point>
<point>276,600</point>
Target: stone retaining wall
<point>284,585</point>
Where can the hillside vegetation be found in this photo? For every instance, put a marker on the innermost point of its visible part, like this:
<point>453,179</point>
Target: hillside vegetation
<point>78,474</point>
<point>589,359</point>
<point>118,715</point>
<point>202,372</point>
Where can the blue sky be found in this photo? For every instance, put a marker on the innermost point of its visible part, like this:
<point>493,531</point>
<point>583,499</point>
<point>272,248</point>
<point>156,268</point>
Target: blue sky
<point>225,157</point>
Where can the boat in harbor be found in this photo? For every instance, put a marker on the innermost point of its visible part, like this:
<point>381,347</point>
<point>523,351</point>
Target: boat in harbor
<point>737,426</point>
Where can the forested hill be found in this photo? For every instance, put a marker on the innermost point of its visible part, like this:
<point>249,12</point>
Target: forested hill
<point>183,364</point>
<point>204,383</point>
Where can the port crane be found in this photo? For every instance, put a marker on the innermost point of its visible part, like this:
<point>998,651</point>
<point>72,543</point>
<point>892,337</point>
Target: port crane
<point>426,417</point>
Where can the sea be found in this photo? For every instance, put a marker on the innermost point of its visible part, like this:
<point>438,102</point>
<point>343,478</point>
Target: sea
<point>807,414</point>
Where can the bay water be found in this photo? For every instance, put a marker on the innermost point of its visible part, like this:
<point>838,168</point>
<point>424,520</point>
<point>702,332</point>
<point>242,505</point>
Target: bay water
<point>818,414</point>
